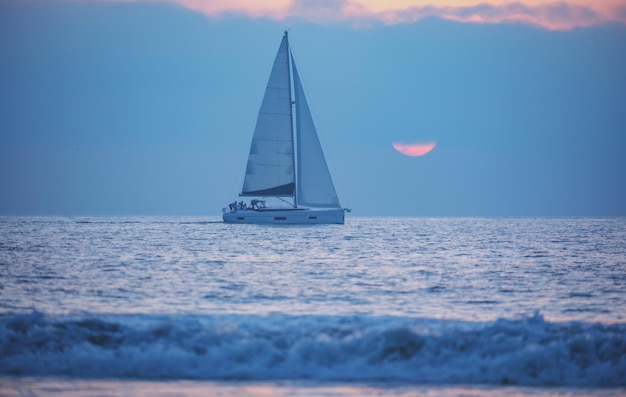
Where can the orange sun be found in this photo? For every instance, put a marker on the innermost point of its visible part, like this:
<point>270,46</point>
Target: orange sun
<point>414,149</point>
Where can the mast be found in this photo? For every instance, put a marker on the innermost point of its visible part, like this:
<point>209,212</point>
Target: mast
<point>293,134</point>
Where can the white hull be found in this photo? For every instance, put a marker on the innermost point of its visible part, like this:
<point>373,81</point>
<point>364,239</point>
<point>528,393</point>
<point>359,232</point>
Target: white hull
<point>286,216</point>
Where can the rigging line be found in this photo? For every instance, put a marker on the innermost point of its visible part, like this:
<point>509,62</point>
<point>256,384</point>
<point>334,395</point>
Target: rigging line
<point>283,200</point>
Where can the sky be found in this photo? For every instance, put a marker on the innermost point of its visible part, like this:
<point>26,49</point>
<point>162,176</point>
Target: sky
<point>147,107</point>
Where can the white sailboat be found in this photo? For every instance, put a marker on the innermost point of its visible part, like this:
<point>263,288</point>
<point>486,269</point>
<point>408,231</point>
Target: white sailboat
<point>286,162</point>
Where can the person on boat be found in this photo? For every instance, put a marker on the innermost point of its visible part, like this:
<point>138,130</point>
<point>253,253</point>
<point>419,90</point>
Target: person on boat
<point>233,206</point>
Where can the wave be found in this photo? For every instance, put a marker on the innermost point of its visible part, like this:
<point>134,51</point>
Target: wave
<point>528,351</point>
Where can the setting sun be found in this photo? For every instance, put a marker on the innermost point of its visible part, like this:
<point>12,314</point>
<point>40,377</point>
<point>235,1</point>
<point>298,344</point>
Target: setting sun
<point>414,149</point>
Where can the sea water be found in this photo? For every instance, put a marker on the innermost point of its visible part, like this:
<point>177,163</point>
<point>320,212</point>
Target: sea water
<point>162,306</point>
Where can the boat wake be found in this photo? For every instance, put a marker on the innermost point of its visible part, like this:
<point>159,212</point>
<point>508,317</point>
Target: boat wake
<point>526,351</point>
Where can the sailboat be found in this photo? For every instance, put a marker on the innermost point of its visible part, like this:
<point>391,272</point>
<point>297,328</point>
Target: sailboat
<point>286,160</point>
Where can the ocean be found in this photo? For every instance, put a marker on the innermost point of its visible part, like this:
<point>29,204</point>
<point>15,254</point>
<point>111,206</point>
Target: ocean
<point>189,306</point>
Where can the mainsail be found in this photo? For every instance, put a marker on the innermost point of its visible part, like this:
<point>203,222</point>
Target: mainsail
<point>270,169</point>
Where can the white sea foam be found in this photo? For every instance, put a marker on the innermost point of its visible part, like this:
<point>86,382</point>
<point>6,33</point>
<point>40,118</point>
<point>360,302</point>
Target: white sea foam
<point>526,351</point>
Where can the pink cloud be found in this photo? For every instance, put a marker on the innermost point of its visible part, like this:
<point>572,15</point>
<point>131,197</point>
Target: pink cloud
<point>546,14</point>
<point>273,9</point>
<point>552,16</point>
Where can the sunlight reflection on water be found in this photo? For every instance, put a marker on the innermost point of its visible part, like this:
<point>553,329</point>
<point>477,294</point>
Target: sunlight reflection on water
<point>456,268</point>
<point>49,387</point>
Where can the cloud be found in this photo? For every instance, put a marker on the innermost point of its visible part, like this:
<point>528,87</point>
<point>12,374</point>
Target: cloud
<point>555,16</point>
<point>274,9</point>
<point>546,14</point>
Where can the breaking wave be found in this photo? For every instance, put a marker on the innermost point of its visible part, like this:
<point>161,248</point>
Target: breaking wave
<point>526,351</point>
